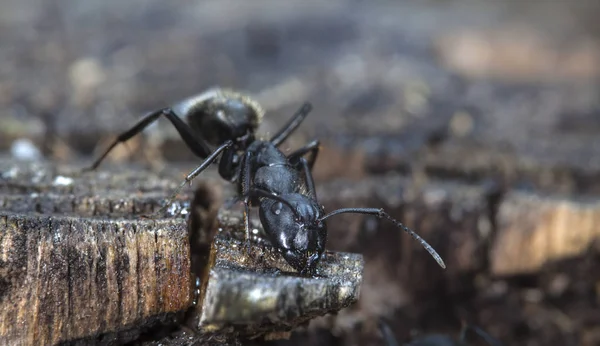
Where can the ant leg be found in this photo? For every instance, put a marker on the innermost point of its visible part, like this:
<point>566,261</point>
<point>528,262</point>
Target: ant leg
<point>266,194</point>
<point>246,182</point>
<point>463,331</point>
<point>485,336</point>
<point>296,158</point>
<point>386,333</point>
<point>197,145</point>
<point>291,126</point>
<point>312,148</point>
<point>380,213</point>
<point>308,178</point>
<point>210,159</point>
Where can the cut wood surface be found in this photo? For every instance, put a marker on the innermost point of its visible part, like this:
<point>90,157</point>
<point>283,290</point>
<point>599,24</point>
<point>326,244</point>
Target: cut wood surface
<point>253,292</point>
<point>66,278</point>
<point>246,293</point>
<point>76,259</point>
<point>476,228</point>
<point>79,264</point>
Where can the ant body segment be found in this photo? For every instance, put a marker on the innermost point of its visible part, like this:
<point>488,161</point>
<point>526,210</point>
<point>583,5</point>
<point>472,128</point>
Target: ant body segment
<point>437,339</point>
<point>222,123</point>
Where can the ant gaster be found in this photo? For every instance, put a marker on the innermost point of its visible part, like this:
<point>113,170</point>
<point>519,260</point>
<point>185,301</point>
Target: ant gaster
<point>437,339</point>
<point>222,123</point>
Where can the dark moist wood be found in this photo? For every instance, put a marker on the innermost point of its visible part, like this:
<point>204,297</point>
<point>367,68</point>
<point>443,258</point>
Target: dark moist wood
<point>469,225</point>
<point>77,260</point>
<point>453,218</point>
<point>539,133</point>
<point>540,136</point>
<point>519,135</point>
<point>487,236</point>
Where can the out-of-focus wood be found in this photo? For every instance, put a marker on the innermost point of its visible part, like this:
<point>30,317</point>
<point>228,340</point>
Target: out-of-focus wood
<point>534,230</point>
<point>453,218</point>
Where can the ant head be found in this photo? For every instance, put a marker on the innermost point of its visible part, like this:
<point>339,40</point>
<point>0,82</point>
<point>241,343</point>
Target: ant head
<point>295,229</point>
<point>222,114</point>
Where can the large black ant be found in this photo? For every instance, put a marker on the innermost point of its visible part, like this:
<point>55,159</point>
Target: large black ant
<point>437,339</point>
<point>222,123</point>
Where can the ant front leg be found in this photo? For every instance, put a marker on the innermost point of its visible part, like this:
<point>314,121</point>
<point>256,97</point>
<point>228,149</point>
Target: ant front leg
<point>196,144</point>
<point>387,334</point>
<point>188,179</point>
<point>246,184</point>
<point>296,158</point>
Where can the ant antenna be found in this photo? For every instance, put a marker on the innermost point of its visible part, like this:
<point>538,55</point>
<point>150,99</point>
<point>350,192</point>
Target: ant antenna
<point>380,213</point>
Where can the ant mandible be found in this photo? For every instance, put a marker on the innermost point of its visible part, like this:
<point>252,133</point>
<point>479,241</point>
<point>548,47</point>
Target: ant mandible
<point>222,123</point>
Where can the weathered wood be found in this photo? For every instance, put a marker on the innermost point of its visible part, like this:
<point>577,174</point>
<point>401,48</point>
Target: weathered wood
<point>534,230</point>
<point>109,182</point>
<point>260,294</point>
<point>76,258</point>
<point>77,261</point>
<point>67,278</point>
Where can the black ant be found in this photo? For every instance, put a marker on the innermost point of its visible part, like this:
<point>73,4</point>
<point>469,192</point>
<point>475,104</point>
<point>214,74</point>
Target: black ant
<point>223,123</point>
<point>437,339</point>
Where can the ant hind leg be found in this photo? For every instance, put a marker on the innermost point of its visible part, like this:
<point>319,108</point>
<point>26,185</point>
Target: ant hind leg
<point>196,144</point>
<point>386,333</point>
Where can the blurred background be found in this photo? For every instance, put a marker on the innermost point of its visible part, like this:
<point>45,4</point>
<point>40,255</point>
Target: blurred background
<point>476,123</point>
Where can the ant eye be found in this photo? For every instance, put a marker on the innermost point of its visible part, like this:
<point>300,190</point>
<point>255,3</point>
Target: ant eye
<point>276,208</point>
